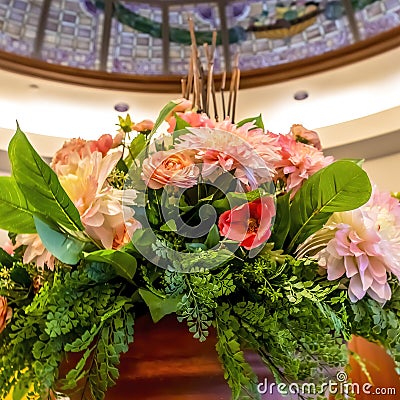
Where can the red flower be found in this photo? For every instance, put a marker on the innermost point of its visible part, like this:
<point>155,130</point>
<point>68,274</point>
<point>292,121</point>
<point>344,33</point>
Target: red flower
<point>250,223</point>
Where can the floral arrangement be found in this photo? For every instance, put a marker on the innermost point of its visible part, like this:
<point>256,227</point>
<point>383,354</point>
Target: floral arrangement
<point>255,236</point>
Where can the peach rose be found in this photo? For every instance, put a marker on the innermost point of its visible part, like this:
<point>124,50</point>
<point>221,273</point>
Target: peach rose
<point>250,223</point>
<point>170,168</point>
<point>143,126</point>
<point>5,313</point>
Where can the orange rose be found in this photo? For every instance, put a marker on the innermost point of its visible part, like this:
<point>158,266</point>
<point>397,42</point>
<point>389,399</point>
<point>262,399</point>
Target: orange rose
<point>5,313</point>
<point>170,168</point>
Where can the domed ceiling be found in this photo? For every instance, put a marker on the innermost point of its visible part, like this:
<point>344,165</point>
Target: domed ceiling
<point>129,37</point>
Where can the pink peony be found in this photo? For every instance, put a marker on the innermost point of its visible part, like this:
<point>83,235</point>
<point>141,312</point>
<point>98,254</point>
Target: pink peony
<point>250,223</point>
<point>171,167</point>
<point>100,206</point>
<point>364,246</point>
<point>76,149</point>
<point>299,162</point>
<point>306,136</point>
<point>5,313</point>
<point>35,251</point>
<point>247,150</point>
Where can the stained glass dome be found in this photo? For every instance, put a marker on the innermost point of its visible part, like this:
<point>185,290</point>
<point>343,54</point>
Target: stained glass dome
<point>153,39</point>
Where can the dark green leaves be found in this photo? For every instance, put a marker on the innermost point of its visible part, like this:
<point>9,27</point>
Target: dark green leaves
<point>40,184</point>
<point>123,263</point>
<point>15,215</point>
<point>341,186</point>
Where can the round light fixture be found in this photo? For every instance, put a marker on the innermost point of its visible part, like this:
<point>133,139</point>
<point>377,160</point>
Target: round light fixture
<point>300,95</point>
<point>121,107</point>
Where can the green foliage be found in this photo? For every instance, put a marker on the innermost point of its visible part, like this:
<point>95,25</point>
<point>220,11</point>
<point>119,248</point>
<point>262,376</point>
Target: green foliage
<point>68,314</point>
<point>341,186</point>
<point>238,372</point>
<point>39,183</point>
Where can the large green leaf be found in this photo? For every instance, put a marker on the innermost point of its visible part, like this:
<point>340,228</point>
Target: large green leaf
<point>40,184</point>
<point>123,263</point>
<point>159,306</point>
<point>341,186</point>
<point>15,215</point>
<point>64,247</point>
<point>282,221</point>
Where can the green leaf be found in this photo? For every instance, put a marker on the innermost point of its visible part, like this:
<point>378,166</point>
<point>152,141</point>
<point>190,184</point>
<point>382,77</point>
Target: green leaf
<point>15,215</point>
<point>180,123</point>
<point>159,306</point>
<point>124,264</point>
<point>212,237</point>
<point>341,186</point>
<point>257,121</point>
<point>282,221</point>
<point>161,117</point>
<point>169,226</point>
<point>63,246</point>
<point>40,185</point>
<point>137,145</point>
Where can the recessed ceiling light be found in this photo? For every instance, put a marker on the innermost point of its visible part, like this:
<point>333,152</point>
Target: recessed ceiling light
<point>121,107</point>
<point>300,95</point>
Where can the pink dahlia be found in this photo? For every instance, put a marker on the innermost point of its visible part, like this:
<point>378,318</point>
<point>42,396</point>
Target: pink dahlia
<point>247,150</point>
<point>299,161</point>
<point>363,245</point>
<point>250,223</point>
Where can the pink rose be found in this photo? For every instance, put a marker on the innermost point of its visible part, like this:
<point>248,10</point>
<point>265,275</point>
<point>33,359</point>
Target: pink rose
<point>170,168</point>
<point>5,313</point>
<point>250,223</point>
<point>303,135</point>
